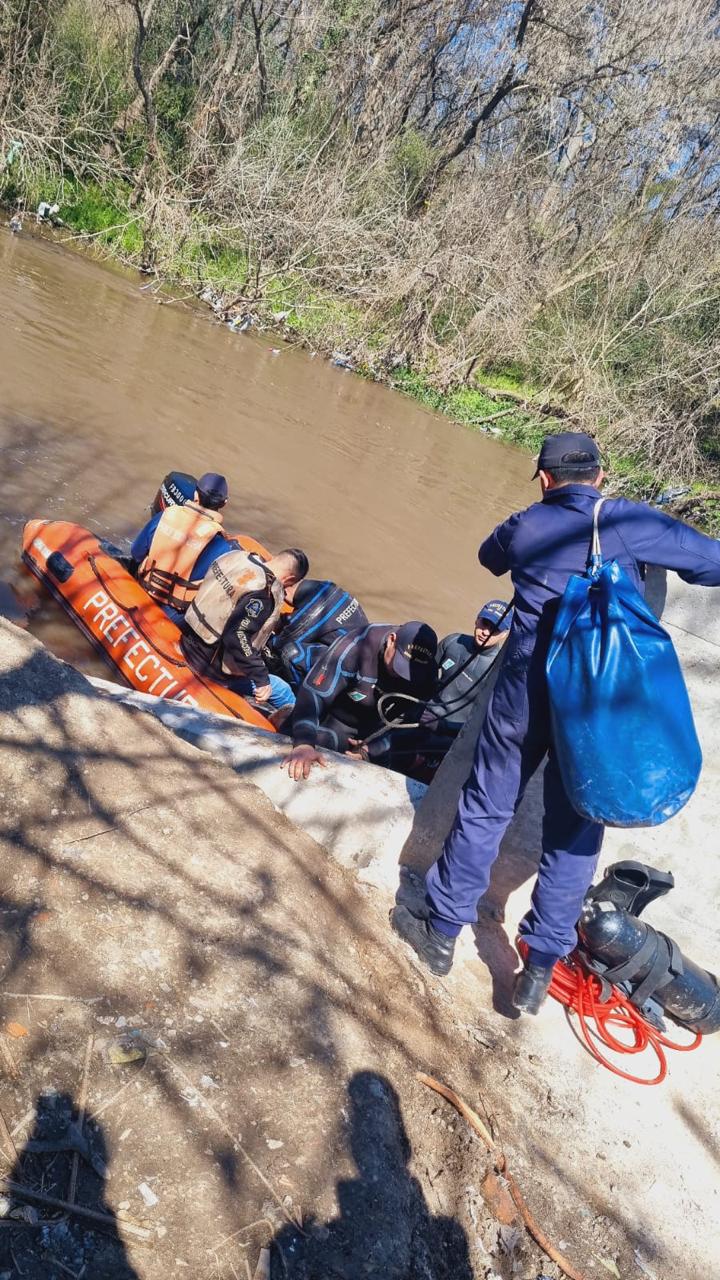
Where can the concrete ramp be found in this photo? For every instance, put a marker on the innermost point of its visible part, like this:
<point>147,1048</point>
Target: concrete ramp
<point>362,814</point>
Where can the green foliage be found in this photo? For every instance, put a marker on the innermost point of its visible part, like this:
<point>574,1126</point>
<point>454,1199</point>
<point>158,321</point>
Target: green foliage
<point>411,159</point>
<point>104,214</point>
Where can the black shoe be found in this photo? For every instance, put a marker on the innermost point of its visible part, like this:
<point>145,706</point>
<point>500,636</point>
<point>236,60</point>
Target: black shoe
<point>531,987</point>
<point>435,949</point>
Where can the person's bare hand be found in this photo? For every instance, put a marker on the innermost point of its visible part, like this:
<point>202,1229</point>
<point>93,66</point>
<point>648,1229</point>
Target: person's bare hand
<point>360,751</point>
<point>301,760</point>
<point>262,692</point>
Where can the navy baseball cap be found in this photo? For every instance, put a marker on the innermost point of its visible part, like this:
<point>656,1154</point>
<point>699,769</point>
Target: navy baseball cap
<point>498,613</point>
<point>212,485</point>
<point>568,449</point>
<point>415,657</point>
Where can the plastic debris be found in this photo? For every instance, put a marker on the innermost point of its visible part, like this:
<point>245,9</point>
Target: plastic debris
<point>241,324</point>
<point>46,212</point>
<point>125,1049</point>
<point>341,361</point>
<point>13,153</point>
<point>148,1195</point>
<point>642,1264</point>
<point>16,1030</point>
<point>15,223</point>
<point>274,1143</point>
<point>207,1082</point>
<point>609,1265</point>
<point>670,495</point>
<point>262,1270</point>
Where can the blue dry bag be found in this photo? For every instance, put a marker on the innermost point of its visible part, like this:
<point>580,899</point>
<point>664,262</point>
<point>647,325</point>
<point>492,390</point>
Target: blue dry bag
<point>621,718</point>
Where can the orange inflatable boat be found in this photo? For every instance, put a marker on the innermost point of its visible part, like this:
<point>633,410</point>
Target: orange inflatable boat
<point>129,630</point>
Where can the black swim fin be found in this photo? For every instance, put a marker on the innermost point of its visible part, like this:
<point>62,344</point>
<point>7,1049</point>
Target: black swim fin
<point>630,886</point>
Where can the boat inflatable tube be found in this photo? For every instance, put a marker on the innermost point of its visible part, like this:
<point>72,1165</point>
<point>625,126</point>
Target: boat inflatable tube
<point>118,617</point>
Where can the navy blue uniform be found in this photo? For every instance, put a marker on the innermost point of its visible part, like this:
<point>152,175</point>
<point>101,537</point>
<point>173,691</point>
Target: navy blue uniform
<point>541,547</point>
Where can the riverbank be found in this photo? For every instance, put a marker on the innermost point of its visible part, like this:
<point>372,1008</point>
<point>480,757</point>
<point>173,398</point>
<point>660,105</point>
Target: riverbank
<point>497,401</point>
<point>245,1032</point>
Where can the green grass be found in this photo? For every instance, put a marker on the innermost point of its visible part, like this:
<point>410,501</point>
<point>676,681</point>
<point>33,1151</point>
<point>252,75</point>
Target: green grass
<point>103,213</point>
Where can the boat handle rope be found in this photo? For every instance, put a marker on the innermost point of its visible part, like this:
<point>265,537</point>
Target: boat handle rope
<point>131,609</point>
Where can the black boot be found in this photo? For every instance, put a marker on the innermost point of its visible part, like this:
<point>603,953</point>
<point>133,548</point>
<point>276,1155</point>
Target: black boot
<point>531,987</point>
<point>435,949</point>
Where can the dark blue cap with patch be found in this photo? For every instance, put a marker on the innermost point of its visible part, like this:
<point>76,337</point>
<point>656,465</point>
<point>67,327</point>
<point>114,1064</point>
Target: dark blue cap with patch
<point>570,450</point>
<point>415,657</point>
<point>498,613</point>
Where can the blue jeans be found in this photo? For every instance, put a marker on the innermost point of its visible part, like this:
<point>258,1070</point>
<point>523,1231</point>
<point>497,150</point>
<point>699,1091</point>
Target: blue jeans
<point>281,695</point>
<point>513,742</point>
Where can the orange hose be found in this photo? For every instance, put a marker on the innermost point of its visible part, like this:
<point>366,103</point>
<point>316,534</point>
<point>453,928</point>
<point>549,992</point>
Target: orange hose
<point>581,991</point>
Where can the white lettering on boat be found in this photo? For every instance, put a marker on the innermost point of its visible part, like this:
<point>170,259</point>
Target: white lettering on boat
<point>42,548</point>
<point>106,618</point>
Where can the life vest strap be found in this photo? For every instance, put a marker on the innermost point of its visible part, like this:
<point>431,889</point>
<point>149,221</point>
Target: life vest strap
<point>162,584</point>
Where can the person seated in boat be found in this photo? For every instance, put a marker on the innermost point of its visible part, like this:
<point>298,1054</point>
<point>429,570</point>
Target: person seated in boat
<point>231,618</point>
<point>346,697</point>
<point>322,612</point>
<point>177,546</point>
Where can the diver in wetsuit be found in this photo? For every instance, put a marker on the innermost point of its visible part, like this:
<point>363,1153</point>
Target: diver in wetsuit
<point>322,613</point>
<point>338,703</point>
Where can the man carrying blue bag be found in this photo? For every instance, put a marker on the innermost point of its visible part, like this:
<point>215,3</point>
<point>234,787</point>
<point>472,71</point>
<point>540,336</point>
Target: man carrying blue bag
<point>542,548</point>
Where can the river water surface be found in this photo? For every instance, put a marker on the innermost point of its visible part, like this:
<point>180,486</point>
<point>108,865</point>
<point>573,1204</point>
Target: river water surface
<point>103,390</point>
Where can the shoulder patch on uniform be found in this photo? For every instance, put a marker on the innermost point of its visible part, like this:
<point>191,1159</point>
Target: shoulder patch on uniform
<point>253,608</point>
<point>357,695</point>
<point>448,663</point>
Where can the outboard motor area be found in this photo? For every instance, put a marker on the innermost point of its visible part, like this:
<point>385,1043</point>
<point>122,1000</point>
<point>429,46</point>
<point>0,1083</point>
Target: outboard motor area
<point>644,963</point>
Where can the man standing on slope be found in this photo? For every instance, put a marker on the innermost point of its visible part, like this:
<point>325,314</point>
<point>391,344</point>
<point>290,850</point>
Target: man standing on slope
<point>540,547</point>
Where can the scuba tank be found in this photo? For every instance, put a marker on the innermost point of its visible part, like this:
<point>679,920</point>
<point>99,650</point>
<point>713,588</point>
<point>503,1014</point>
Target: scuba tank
<point>647,965</point>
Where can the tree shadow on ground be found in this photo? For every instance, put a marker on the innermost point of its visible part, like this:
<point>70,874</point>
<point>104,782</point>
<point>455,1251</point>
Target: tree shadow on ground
<point>384,1229</point>
<point>43,1243</point>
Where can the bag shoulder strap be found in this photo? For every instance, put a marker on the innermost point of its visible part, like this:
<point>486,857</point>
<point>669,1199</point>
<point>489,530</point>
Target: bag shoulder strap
<point>595,548</point>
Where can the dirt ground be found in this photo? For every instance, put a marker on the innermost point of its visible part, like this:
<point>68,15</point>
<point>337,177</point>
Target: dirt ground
<point>245,1035</point>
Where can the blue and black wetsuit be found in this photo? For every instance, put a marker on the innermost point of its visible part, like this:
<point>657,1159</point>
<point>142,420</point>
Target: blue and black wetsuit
<point>323,613</point>
<point>338,700</point>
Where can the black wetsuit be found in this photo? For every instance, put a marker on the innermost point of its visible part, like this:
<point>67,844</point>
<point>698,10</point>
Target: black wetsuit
<point>338,699</point>
<point>462,665</point>
<point>322,613</point>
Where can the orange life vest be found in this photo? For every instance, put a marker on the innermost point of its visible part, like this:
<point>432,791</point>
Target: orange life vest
<point>181,536</point>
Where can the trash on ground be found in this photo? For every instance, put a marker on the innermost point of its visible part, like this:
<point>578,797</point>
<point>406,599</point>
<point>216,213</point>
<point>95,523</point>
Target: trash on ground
<point>148,1195</point>
<point>125,1049</point>
<point>642,1264</point>
<point>16,1030</point>
<point>262,1270</point>
<point>341,361</point>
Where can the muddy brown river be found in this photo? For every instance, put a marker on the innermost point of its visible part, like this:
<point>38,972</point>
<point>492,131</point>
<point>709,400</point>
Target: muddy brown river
<point>103,389</point>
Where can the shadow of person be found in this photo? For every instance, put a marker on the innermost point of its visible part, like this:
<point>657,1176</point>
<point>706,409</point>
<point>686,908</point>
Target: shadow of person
<point>384,1230</point>
<point>42,1243</point>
